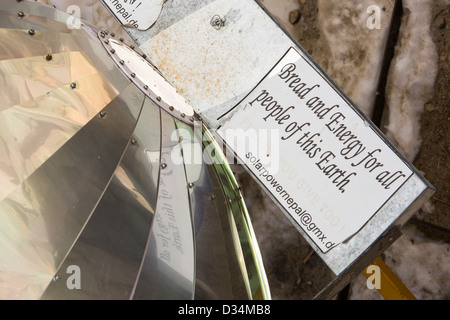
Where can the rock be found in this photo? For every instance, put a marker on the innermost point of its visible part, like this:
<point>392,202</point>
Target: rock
<point>294,16</point>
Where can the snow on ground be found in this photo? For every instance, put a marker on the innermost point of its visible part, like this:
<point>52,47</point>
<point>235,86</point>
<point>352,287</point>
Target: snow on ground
<point>412,76</point>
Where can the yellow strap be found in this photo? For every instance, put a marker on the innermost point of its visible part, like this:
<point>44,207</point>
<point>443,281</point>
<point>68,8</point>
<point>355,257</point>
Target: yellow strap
<point>390,286</point>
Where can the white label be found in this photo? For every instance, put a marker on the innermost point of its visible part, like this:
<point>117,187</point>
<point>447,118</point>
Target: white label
<point>134,13</point>
<point>329,169</point>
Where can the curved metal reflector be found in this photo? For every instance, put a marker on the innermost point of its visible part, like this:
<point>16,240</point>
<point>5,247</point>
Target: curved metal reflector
<point>95,177</point>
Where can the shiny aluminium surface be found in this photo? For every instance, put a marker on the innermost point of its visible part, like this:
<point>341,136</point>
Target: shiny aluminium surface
<point>85,183</point>
<point>40,109</point>
<point>225,262</point>
<point>231,204</point>
<point>110,249</point>
<point>53,83</point>
<point>168,268</point>
<point>219,270</point>
<point>42,218</point>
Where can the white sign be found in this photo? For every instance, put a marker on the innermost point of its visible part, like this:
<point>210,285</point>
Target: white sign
<point>331,171</point>
<point>137,14</point>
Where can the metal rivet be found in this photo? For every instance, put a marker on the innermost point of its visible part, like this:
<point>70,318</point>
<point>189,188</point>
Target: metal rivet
<point>192,119</point>
<point>49,57</point>
<point>183,115</point>
<point>133,75</point>
<point>133,141</point>
<point>102,35</point>
<point>113,34</point>
<point>191,185</point>
<point>146,87</point>
<point>121,40</point>
<point>73,85</point>
<point>144,56</point>
<point>122,62</point>
<point>132,47</point>
<point>213,197</point>
<point>112,51</point>
<point>158,98</point>
<point>171,108</point>
<point>217,22</point>
<point>102,114</point>
<point>56,278</point>
<point>31,32</point>
<point>21,14</point>
<point>107,41</point>
<point>163,166</point>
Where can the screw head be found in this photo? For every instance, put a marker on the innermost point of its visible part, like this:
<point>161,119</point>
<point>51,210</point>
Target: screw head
<point>73,85</point>
<point>133,75</point>
<point>163,166</point>
<point>21,14</point>
<point>49,57</point>
<point>190,185</point>
<point>102,113</point>
<point>31,32</point>
<point>133,141</point>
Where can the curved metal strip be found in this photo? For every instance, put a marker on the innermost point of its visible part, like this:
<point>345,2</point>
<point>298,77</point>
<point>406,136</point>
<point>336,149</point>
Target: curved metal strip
<point>228,262</point>
<point>42,218</point>
<point>245,243</point>
<point>110,249</point>
<point>168,269</point>
<point>218,274</point>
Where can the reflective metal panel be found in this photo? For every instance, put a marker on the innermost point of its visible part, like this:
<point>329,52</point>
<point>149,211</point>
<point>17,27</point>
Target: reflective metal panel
<point>232,206</point>
<point>110,249</point>
<point>46,97</point>
<point>95,178</point>
<point>218,274</point>
<point>168,269</point>
<point>42,218</point>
